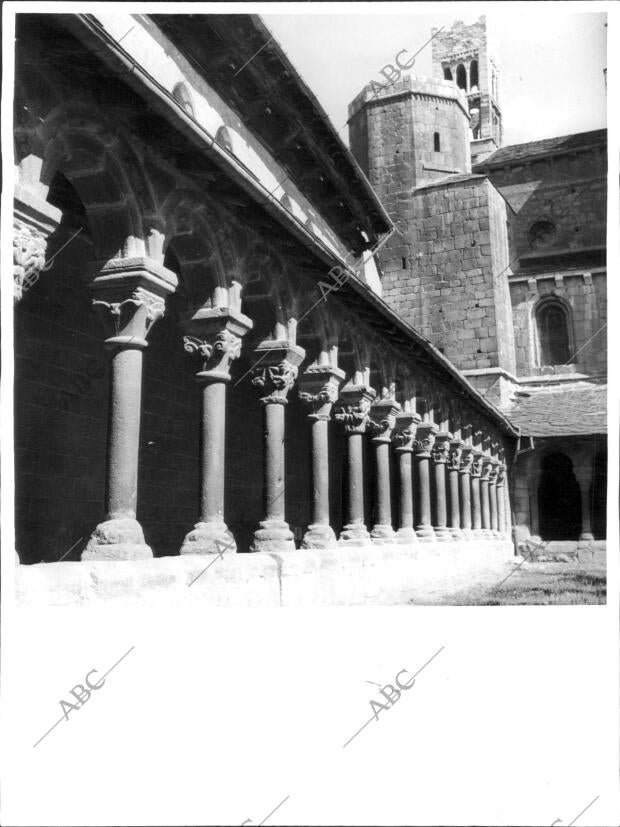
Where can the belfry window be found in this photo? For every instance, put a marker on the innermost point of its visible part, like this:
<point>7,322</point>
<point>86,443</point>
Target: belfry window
<point>437,142</point>
<point>461,77</point>
<point>447,73</point>
<point>553,333</point>
<point>473,74</point>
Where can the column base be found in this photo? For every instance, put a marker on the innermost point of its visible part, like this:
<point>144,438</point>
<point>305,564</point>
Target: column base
<point>209,538</point>
<point>468,533</point>
<point>426,533</point>
<point>354,534</point>
<point>478,534</point>
<point>119,539</point>
<point>319,535</point>
<point>586,535</point>
<point>496,535</point>
<point>457,533</point>
<point>273,535</point>
<point>382,534</point>
<point>406,536</point>
<point>443,534</point>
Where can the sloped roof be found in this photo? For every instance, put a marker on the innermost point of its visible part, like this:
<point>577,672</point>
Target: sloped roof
<point>521,152</point>
<point>566,412</point>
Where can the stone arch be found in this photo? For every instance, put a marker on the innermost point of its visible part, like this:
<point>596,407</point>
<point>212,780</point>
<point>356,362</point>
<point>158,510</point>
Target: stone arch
<point>559,499</point>
<point>106,172</point>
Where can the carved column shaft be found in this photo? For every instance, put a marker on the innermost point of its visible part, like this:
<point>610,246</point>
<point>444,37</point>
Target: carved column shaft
<point>485,500</point>
<point>352,413</point>
<point>424,441</point>
<point>129,295</point>
<point>382,423</point>
<point>276,368</point>
<point>476,470</point>
<point>454,464</point>
<point>403,440</point>
<point>467,458</point>
<point>501,499</point>
<point>215,338</point>
<point>440,454</point>
<point>319,389</point>
<point>493,498</point>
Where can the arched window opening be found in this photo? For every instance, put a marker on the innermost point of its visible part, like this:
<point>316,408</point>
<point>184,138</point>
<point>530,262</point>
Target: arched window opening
<point>437,142</point>
<point>552,320</point>
<point>447,73</point>
<point>473,74</point>
<point>559,499</point>
<point>461,77</point>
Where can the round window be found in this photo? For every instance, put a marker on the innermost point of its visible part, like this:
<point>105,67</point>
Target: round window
<point>542,234</point>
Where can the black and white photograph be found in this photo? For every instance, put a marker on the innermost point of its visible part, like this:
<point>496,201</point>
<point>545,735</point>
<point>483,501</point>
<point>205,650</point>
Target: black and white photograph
<point>308,337</point>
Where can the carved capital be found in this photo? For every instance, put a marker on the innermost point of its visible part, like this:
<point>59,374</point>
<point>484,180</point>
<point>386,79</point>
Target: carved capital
<point>275,370</point>
<point>382,419</point>
<point>34,221</point>
<point>424,439</point>
<point>353,408</point>
<point>319,386</point>
<point>476,466</point>
<point>501,475</point>
<point>493,471</point>
<point>487,467</point>
<point>214,335</point>
<point>405,430</point>
<point>129,297</point>
<point>467,459</point>
<point>441,448</point>
<point>455,454</point>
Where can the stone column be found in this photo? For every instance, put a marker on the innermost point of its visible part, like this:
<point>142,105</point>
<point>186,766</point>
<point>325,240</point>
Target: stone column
<point>422,446</point>
<point>584,479</point>
<point>440,454</point>
<point>319,389</point>
<point>34,220</point>
<point>274,373</point>
<point>501,500</point>
<point>381,425</point>
<point>493,499</point>
<point>453,465</point>
<point>403,440</point>
<point>353,413</point>
<point>215,337</point>
<point>476,516</point>
<point>467,459</point>
<point>129,296</point>
<point>485,503</point>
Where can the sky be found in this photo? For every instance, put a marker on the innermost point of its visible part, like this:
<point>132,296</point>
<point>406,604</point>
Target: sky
<point>551,61</point>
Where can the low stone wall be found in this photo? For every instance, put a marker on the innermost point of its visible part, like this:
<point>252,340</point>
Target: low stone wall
<point>378,575</point>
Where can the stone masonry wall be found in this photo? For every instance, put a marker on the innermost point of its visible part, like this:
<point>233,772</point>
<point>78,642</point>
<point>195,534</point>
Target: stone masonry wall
<point>454,288</point>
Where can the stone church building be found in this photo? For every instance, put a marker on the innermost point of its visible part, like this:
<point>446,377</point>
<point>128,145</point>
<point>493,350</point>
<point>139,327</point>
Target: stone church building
<point>338,374</point>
